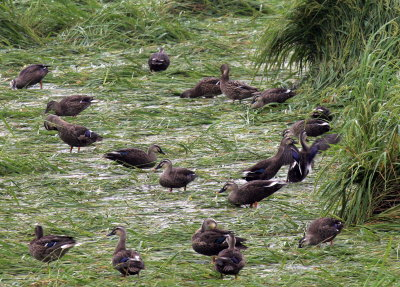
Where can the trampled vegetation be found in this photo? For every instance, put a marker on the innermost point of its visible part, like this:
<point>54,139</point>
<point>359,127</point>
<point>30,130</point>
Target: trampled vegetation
<point>100,48</point>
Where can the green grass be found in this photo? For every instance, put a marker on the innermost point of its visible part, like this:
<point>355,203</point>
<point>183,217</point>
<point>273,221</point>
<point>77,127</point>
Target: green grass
<point>84,195</point>
<point>350,61</point>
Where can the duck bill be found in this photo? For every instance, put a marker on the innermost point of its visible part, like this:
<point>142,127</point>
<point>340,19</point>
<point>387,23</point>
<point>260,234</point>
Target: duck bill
<point>222,190</point>
<point>158,166</point>
<point>161,151</point>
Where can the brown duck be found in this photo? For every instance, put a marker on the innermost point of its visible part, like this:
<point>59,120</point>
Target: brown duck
<point>174,177</point>
<point>321,230</point>
<point>251,192</point>
<point>209,240</point>
<point>126,261</point>
<point>133,157</point>
<point>158,61</point>
<point>30,76</point>
<point>73,135</point>
<point>207,87</point>
<point>322,113</point>
<point>275,95</point>
<point>69,106</point>
<point>325,141</point>
<point>50,247</point>
<point>313,128</point>
<point>233,89</point>
<point>268,168</point>
<point>230,261</point>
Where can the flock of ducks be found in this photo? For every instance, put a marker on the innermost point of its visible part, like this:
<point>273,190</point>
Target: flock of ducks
<point>209,240</point>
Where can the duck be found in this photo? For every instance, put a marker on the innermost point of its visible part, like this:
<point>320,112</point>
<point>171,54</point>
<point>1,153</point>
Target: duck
<point>174,177</point>
<point>313,128</point>
<point>207,87</point>
<point>133,157</point>
<point>126,261</point>
<point>230,260</point>
<point>30,76</point>
<point>268,168</point>
<point>274,95</point>
<point>322,113</point>
<point>324,143</point>
<point>73,135</point>
<point>251,192</point>
<point>303,160</point>
<point>209,240</point>
<point>158,61</point>
<point>69,106</point>
<point>321,230</point>
<point>234,90</point>
<point>50,247</point>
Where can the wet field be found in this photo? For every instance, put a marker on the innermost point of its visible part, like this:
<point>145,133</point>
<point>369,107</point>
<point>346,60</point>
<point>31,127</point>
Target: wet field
<point>85,195</point>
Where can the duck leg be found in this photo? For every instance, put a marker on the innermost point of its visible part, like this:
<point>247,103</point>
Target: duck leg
<point>70,149</point>
<point>41,84</point>
<point>170,190</point>
<point>79,148</point>
<point>254,204</point>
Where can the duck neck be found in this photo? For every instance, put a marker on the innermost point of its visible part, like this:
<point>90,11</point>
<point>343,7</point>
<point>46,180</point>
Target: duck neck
<point>304,145</point>
<point>234,187</point>
<point>38,232</point>
<point>225,76</point>
<point>231,241</point>
<point>57,121</point>
<point>121,242</point>
<point>168,167</point>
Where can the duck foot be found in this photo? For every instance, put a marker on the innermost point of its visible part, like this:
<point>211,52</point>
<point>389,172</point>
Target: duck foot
<point>254,205</point>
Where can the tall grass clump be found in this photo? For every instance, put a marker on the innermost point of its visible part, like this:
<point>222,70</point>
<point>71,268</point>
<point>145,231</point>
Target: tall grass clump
<point>367,180</point>
<point>350,47</point>
<point>325,37</point>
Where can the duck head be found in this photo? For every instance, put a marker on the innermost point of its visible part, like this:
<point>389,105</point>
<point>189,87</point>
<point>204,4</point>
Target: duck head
<point>224,71</point>
<point>156,148</point>
<point>209,224</point>
<point>13,84</point>
<point>230,185</point>
<point>50,106</point>
<point>119,230</point>
<point>163,164</point>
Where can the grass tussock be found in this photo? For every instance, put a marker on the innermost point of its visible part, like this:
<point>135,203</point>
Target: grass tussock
<point>326,37</point>
<point>349,51</point>
<point>368,177</point>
